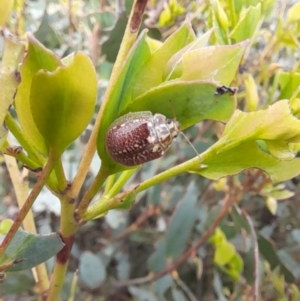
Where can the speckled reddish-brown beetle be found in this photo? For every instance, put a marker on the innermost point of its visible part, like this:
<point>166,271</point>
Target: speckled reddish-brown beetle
<point>137,138</point>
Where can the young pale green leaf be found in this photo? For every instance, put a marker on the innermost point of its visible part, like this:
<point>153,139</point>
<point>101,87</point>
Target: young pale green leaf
<point>153,44</point>
<point>281,194</point>
<point>293,14</point>
<point>38,57</point>
<point>249,20</point>
<point>267,7</point>
<point>191,102</point>
<point>214,63</point>
<point>174,66</point>
<point>274,123</point>
<point>289,82</point>
<point>5,225</point>
<point>221,16</point>
<point>218,237</point>
<point>224,253</point>
<point>244,156</point>
<point>181,223</point>
<point>62,102</point>
<point>3,136</point>
<point>219,36</point>
<point>286,37</point>
<point>252,98</point>
<point>151,72</point>
<point>31,249</point>
<point>272,204</point>
<point>280,150</point>
<point>5,9</point>
<point>172,9</point>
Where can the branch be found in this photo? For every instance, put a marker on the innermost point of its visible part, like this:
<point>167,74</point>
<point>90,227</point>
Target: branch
<point>21,190</point>
<point>42,178</point>
<point>228,201</point>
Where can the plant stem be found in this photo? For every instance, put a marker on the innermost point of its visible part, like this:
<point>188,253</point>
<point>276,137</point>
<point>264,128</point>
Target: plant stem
<point>28,203</point>
<point>124,177</point>
<point>93,189</point>
<point>60,176</point>
<point>19,156</point>
<point>109,183</point>
<point>18,134</point>
<point>68,228</point>
<point>129,38</point>
<point>106,203</point>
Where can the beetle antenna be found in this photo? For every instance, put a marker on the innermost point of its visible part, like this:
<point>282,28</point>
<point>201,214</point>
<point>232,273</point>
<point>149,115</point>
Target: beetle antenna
<point>191,144</point>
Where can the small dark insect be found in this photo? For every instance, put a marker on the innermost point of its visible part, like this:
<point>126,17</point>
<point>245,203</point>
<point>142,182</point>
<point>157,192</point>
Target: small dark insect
<point>137,138</point>
<point>224,89</point>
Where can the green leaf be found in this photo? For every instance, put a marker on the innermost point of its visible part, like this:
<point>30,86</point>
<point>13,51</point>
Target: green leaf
<point>151,73</point>
<point>261,125</point>
<point>172,9</point>
<point>267,7</point>
<point>247,24</point>
<point>286,37</point>
<point>91,270</point>
<point>174,68</point>
<point>280,150</point>
<point>219,36</point>
<point>110,48</point>
<point>5,9</point>
<point>121,96</point>
<point>216,63</point>
<point>239,219</point>
<point>248,155</point>
<point>181,223</point>
<point>225,256</point>
<point>32,249</point>
<point>46,34</point>
<point>224,253</point>
<point>38,57</point>
<point>235,267</point>
<point>279,194</point>
<point>9,79</point>
<point>5,225</point>
<point>62,102</point>
<point>158,261</point>
<point>293,14</point>
<point>289,82</point>
<point>106,18</point>
<point>252,97</point>
<point>266,248</point>
<point>192,102</point>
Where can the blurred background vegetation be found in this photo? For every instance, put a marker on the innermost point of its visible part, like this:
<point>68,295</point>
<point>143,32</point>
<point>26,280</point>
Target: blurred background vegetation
<point>129,245</point>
